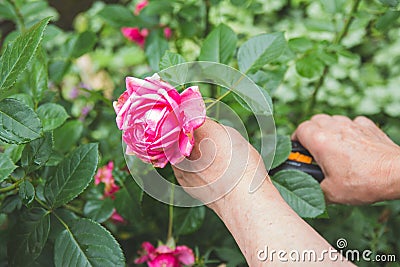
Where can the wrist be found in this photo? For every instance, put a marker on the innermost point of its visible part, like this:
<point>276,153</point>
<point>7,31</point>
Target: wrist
<point>393,176</point>
<point>240,200</point>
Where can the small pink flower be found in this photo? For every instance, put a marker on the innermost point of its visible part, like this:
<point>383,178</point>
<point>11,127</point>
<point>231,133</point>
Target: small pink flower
<point>104,175</point>
<point>167,32</point>
<point>139,6</point>
<point>116,218</point>
<point>135,35</point>
<point>164,256</point>
<point>157,122</point>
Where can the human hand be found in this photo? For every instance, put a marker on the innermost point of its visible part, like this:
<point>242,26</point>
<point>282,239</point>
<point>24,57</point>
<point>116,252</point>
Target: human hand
<point>359,161</point>
<point>222,161</point>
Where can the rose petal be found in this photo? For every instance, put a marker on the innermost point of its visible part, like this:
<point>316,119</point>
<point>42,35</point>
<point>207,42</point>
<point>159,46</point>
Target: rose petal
<point>164,249</point>
<point>185,144</point>
<point>139,86</point>
<point>163,260</point>
<point>184,255</point>
<point>140,6</point>
<point>194,108</point>
<point>135,35</point>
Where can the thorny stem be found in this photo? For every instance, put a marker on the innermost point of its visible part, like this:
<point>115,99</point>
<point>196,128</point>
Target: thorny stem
<point>337,40</point>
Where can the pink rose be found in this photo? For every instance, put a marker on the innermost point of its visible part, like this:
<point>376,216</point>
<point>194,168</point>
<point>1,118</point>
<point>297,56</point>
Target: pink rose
<point>117,218</point>
<point>167,32</point>
<point>158,122</point>
<point>135,35</point>
<point>164,256</point>
<point>139,6</point>
<point>104,175</point>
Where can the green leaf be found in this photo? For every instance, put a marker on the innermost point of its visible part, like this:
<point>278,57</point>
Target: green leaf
<point>34,80</point>
<point>52,116</point>
<point>6,166</point>
<point>87,243</point>
<point>38,151</point>
<point>128,200</point>
<point>18,54</point>
<point>155,49</point>
<point>99,210</point>
<point>72,176</point>
<point>119,16</point>
<point>29,237</point>
<point>219,45</point>
<point>328,58</point>
<point>269,79</point>
<point>58,68</point>
<point>188,220</point>
<point>260,50</point>
<point>301,191</point>
<point>66,136</point>
<point>81,44</point>
<point>23,98</point>
<point>231,255</point>
<point>26,192</point>
<point>391,3</point>
<point>309,66</point>
<point>6,11</point>
<point>300,44</point>
<point>170,59</point>
<point>10,204</point>
<point>387,20</point>
<point>283,148</point>
<point>14,152</point>
<point>18,123</point>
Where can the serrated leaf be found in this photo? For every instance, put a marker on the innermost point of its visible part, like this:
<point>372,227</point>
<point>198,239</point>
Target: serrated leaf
<point>14,152</point>
<point>87,243</point>
<point>26,192</point>
<point>128,199</point>
<point>283,148</point>
<point>300,44</point>
<point>99,210</point>
<point>52,116</point>
<point>155,49</point>
<point>301,191</point>
<point>37,152</point>
<point>10,204</point>
<point>72,176</point>
<point>29,237</point>
<point>6,166</point>
<point>18,123</point>
<point>67,135</point>
<point>219,45</point>
<point>391,3</point>
<point>18,54</point>
<point>260,50</point>
<point>188,220</point>
<point>119,16</point>
<point>387,20</point>
<point>309,66</point>
<point>34,81</point>
<point>81,44</point>
<point>170,59</point>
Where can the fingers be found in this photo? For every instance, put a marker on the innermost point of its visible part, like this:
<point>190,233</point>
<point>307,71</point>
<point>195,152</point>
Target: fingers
<point>370,128</point>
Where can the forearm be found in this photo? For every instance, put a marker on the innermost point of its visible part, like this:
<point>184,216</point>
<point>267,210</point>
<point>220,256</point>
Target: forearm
<point>263,220</point>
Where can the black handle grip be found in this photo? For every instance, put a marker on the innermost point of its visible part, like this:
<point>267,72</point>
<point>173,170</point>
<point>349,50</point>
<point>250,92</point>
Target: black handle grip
<point>312,169</point>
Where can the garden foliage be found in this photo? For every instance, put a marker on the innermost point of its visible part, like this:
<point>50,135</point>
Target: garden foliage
<point>58,130</point>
